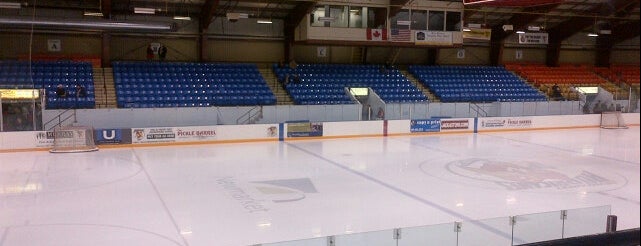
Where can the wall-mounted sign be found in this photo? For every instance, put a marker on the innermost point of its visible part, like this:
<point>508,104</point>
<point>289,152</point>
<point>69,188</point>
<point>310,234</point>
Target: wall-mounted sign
<point>54,45</point>
<point>460,54</point>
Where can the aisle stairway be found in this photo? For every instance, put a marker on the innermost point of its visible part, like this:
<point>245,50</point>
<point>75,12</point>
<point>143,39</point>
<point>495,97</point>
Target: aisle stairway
<point>282,98</point>
<point>419,85</point>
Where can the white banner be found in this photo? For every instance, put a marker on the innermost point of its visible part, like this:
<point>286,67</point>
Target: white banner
<point>153,135</point>
<point>533,38</point>
<point>195,133</point>
<point>432,38</point>
<point>505,123</point>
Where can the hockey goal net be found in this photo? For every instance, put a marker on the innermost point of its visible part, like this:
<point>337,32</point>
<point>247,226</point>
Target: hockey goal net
<point>69,139</point>
<point>612,120</point>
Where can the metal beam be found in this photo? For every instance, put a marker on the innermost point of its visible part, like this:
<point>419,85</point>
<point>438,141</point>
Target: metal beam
<point>207,12</point>
<point>521,21</point>
<point>625,31</point>
<point>573,25</point>
<point>291,22</point>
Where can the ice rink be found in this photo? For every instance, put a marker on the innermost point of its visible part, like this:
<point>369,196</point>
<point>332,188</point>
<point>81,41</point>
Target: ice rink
<point>253,193</point>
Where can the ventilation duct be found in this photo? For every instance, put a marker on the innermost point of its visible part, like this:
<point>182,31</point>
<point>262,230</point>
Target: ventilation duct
<point>84,24</point>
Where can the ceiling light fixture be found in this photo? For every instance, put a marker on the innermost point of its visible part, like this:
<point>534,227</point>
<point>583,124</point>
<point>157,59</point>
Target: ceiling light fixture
<point>477,2</point>
<point>148,11</point>
<point>467,30</point>
<point>178,17</point>
<point>10,5</point>
<point>264,21</point>
<point>520,32</point>
<point>89,13</point>
<point>593,34</point>
<point>84,24</point>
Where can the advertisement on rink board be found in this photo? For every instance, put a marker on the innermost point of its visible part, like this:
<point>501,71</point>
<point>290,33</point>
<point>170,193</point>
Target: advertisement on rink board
<point>506,123</point>
<point>440,125</point>
<point>44,138</point>
<point>426,125</point>
<point>455,124</point>
<point>305,129</point>
<point>195,133</point>
<point>112,136</point>
<point>173,134</point>
<point>153,135</point>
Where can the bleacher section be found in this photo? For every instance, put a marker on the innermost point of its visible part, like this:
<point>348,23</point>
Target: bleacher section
<point>475,84</point>
<point>326,83</point>
<point>565,77</point>
<point>47,75</point>
<point>618,74</point>
<point>156,84</point>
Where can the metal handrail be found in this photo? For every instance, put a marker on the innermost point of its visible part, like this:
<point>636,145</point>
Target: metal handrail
<point>60,119</point>
<point>250,114</point>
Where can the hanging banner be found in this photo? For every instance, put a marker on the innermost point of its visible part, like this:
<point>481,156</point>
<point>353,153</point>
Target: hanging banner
<point>533,38</point>
<point>433,38</point>
<point>478,34</point>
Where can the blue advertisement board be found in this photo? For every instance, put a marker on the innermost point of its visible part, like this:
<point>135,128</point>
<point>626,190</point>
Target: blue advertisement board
<point>426,125</point>
<point>112,136</point>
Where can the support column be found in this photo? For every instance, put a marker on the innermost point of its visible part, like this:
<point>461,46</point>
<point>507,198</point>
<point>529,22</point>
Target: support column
<point>552,54</point>
<point>106,44</point>
<point>202,48</point>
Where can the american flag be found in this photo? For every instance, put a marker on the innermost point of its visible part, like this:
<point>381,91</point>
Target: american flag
<point>400,35</point>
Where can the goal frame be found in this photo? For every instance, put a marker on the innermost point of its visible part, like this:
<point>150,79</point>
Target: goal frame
<point>73,139</point>
<point>608,116</point>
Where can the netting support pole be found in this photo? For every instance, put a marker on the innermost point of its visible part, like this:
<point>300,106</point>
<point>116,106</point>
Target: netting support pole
<point>1,114</point>
<point>611,225</point>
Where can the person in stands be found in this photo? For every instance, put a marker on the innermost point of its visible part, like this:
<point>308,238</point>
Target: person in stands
<point>150,53</point>
<point>80,91</point>
<point>163,53</point>
<point>597,107</point>
<point>556,92</point>
<point>61,92</point>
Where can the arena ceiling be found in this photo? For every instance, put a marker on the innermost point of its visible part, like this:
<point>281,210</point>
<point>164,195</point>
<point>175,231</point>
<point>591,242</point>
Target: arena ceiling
<point>562,17</point>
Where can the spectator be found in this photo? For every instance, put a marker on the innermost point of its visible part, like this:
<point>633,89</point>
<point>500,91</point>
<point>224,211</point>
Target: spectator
<point>295,78</point>
<point>611,107</point>
<point>556,92</point>
<point>603,107</point>
<point>61,92</point>
<point>381,114</point>
<point>597,107</point>
<point>281,64</point>
<point>586,108</point>
<point>292,64</point>
<point>163,53</point>
<point>150,53</point>
<point>80,91</point>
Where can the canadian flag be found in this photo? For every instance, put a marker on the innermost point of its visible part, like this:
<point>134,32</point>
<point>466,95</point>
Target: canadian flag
<point>376,34</point>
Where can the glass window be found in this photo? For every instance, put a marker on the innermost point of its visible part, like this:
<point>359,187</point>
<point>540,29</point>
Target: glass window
<point>400,20</point>
<point>357,17</point>
<point>436,21</point>
<point>318,12</point>
<point>376,17</point>
<point>419,19</point>
<point>453,21</point>
<point>339,15</point>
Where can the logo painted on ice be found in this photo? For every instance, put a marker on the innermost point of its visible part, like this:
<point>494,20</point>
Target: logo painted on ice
<point>527,175</point>
<point>255,196</point>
